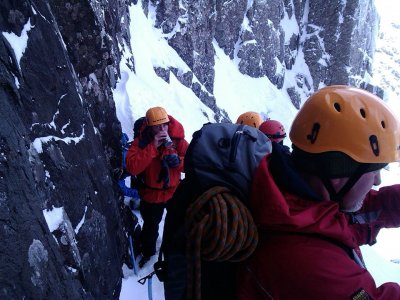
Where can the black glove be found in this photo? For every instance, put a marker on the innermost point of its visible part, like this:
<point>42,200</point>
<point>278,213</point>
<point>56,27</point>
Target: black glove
<point>117,173</point>
<point>172,160</point>
<point>164,175</point>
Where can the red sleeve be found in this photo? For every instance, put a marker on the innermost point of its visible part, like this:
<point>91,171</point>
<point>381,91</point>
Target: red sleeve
<point>386,201</point>
<point>137,159</point>
<point>381,209</point>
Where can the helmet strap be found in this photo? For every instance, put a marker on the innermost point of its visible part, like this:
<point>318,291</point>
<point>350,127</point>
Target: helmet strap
<point>337,196</point>
<point>276,136</point>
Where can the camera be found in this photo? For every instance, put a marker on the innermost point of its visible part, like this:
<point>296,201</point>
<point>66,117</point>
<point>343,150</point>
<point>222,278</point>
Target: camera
<point>167,141</point>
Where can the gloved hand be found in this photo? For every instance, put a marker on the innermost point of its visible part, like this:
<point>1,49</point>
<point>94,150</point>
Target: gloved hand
<point>117,173</point>
<point>172,160</point>
<point>164,174</point>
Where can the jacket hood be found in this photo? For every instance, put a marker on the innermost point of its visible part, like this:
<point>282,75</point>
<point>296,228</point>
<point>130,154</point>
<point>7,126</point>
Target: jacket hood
<point>292,206</point>
<point>175,129</point>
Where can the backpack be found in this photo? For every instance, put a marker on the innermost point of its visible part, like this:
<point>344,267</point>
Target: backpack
<point>227,155</point>
<point>220,162</point>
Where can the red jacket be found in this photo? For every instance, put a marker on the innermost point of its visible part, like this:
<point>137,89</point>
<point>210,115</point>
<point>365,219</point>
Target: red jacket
<point>148,162</point>
<point>305,246</point>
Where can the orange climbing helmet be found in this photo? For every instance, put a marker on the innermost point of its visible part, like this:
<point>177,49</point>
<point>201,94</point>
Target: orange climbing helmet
<point>347,120</point>
<point>156,116</point>
<point>250,118</point>
<point>274,130</point>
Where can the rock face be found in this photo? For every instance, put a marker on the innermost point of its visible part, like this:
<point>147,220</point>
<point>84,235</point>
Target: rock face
<point>59,140</point>
<point>333,40</point>
<point>60,222</point>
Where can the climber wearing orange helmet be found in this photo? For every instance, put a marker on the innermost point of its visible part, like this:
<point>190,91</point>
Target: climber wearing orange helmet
<point>157,154</point>
<point>315,207</point>
<point>250,118</point>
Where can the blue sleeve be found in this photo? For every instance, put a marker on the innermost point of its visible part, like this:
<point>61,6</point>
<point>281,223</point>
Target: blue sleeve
<point>128,192</point>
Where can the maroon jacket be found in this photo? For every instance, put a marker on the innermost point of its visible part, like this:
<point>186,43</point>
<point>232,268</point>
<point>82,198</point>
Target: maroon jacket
<point>148,161</point>
<point>306,246</point>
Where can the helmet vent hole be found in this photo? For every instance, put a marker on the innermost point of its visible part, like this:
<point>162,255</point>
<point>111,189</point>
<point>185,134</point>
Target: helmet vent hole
<point>383,124</point>
<point>337,107</point>
<point>362,112</point>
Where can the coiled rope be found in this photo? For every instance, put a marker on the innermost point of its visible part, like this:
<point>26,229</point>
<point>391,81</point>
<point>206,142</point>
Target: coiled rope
<point>219,228</point>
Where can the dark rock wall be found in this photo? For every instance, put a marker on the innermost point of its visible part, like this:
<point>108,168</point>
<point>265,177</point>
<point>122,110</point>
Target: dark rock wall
<point>342,35</point>
<point>91,31</point>
<point>59,139</point>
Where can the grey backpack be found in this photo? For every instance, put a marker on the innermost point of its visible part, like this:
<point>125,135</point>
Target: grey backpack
<point>225,154</point>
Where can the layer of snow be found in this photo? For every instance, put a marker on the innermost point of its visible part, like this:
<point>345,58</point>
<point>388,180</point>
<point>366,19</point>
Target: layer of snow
<point>53,217</point>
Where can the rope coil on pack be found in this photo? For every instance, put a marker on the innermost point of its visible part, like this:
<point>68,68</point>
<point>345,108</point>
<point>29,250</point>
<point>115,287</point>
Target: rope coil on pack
<point>219,228</point>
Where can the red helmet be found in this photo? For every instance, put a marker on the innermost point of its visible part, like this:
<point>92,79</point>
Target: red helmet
<point>274,130</point>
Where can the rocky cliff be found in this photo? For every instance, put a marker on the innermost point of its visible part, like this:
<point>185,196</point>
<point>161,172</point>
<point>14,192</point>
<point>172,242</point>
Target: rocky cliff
<point>59,139</point>
<point>59,135</point>
<point>335,39</point>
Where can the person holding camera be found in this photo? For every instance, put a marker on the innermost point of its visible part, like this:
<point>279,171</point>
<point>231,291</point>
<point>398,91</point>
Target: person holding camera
<point>157,154</point>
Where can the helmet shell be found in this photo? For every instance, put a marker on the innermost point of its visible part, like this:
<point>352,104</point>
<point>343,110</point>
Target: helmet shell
<point>348,120</point>
<point>274,130</point>
<point>156,116</point>
<point>250,118</point>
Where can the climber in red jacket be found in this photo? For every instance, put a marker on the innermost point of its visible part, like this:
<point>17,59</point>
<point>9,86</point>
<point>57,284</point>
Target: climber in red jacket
<point>157,154</point>
<point>316,207</point>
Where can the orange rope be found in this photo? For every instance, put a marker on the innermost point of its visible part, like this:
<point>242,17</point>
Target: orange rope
<point>219,228</point>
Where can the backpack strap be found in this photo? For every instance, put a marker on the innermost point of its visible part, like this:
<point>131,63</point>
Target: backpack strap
<point>219,228</point>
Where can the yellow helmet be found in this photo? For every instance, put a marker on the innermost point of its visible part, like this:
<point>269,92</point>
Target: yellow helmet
<point>250,118</point>
<point>156,116</point>
<point>347,120</point>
